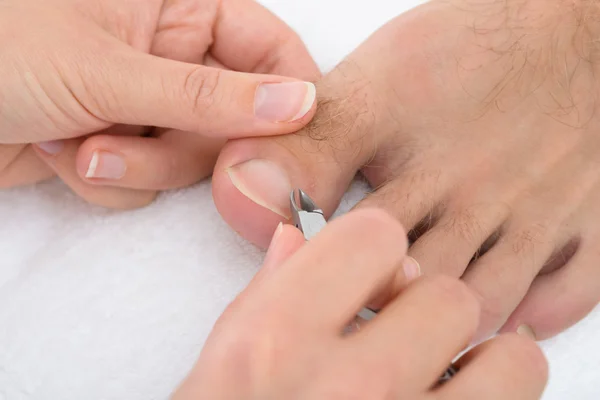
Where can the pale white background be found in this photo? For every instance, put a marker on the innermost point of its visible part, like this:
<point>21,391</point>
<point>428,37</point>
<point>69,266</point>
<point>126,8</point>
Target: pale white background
<point>103,305</point>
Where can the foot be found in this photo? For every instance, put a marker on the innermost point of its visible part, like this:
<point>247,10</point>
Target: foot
<point>477,126</point>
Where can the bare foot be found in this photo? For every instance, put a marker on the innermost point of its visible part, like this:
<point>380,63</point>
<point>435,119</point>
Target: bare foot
<point>478,127</point>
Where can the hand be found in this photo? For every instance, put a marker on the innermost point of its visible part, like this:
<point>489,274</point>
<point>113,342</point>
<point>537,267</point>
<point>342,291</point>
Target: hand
<point>108,69</point>
<point>282,338</point>
<point>476,125</point>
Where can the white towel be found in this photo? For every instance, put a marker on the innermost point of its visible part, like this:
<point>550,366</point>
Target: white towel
<point>97,304</point>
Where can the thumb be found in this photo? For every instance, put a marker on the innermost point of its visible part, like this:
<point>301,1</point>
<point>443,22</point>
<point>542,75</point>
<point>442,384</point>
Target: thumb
<point>142,89</point>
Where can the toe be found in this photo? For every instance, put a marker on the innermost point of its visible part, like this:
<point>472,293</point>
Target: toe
<point>502,277</point>
<point>561,298</point>
<point>547,219</point>
<point>253,177</point>
<point>457,237</point>
<point>413,197</point>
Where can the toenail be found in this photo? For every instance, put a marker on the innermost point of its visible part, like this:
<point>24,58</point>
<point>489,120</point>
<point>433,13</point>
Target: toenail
<point>263,182</point>
<point>105,165</point>
<point>284,102</point>
<point>412,269</point>
<point>525,330</point>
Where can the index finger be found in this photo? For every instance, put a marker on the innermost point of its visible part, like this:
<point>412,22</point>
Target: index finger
<point>250,38</point>
<point>328,281</point>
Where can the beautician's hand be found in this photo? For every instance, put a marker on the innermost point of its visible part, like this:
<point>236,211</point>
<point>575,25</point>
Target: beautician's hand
<point>282,338</point>
<point>74,68</point>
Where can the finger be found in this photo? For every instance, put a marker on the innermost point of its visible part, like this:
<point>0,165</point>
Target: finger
<point>411,270</point>
<point>324,285</point>
<point>546,311</point>
<point>146,90</point>
<point>9,153</point>
<point>19,166</point>
<point>23,166</point>
<point>253,177</point>
<point>61,159</point>
<point>172,160</point>
<point>286,241</point>
<point>506,367</point>
<point>248,37</point>
<point>436,317</point>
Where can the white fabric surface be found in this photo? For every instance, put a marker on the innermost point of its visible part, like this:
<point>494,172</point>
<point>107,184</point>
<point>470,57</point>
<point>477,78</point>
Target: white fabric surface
<point>107,305</point>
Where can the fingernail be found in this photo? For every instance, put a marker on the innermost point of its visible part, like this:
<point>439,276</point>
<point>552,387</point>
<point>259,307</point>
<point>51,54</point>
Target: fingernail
<point>284,102</point>
<point>274,240</point>
<point>525,330</point>
<point>105,165</point>
<point>412,269</point>
<point>276,235</point>
<point>52,147</point>
<point>263,182</point>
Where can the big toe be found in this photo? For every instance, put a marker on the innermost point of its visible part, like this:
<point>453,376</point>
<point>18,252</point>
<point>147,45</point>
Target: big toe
<point>254,177</point>
<point>253,180</point>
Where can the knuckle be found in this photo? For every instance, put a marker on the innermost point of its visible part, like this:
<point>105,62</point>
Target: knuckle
<point>200,88</point>
<point>525,240</point>
<point>239,351</point>
<point>259,349</point>
<point>278,49</point>
<point>270,59</point>
<point>408,198</point>
<point>97,98</point>
<point>465,225</point>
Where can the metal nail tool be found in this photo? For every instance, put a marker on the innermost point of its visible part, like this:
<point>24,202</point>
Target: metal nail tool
<point>309,219</point>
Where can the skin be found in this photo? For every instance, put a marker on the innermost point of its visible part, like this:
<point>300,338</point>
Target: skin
<point>136,65</point>
<point>270,344</point>
<point>476,125</point>
<point>74,91</point>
